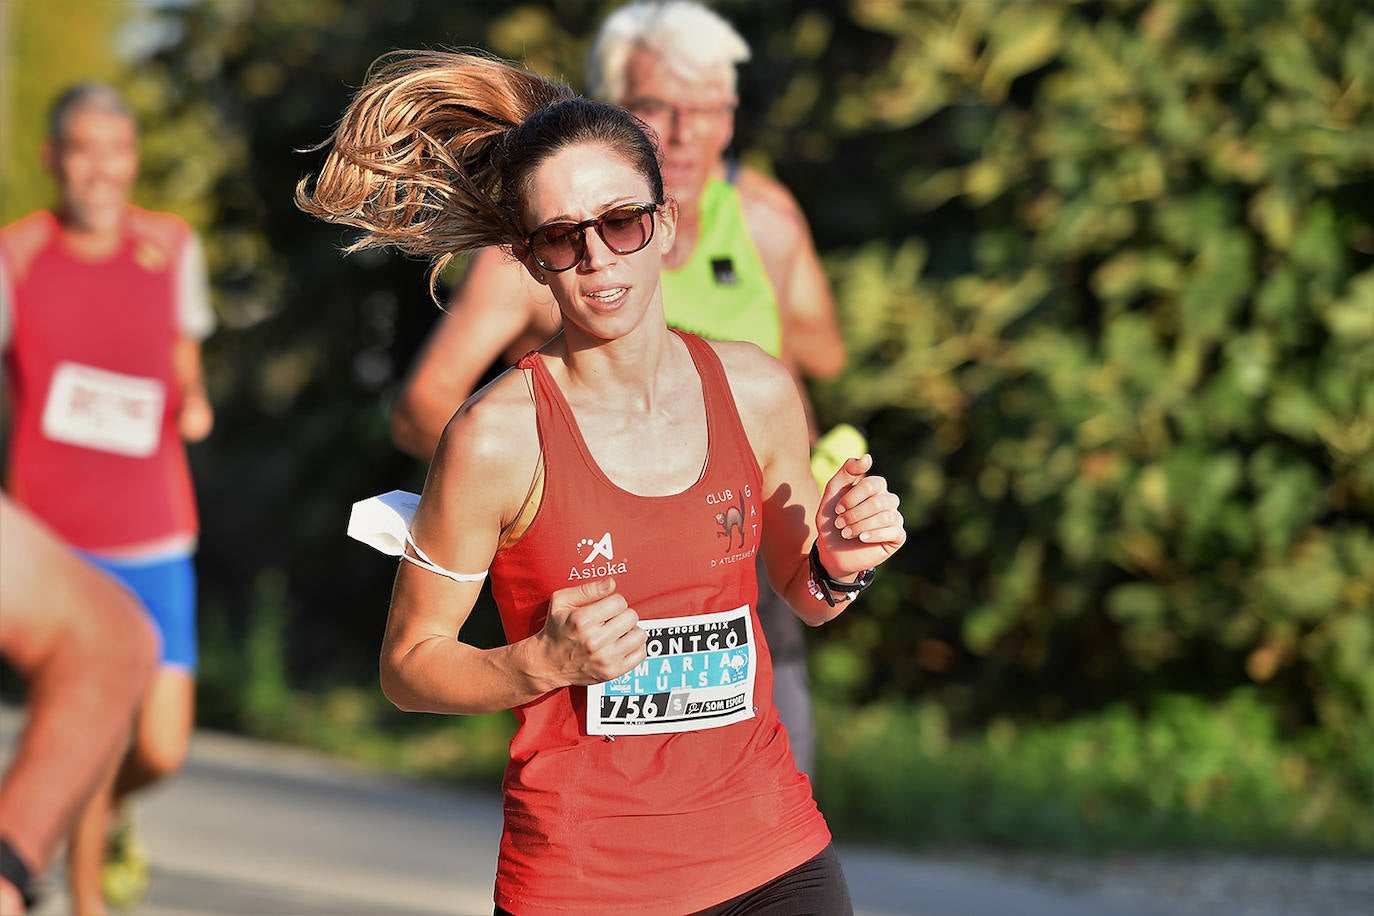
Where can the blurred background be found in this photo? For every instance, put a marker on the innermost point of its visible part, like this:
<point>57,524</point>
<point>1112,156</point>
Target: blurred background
<point>1106,273</point>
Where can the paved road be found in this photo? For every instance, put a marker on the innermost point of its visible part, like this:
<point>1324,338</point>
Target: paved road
<point>250,828</point>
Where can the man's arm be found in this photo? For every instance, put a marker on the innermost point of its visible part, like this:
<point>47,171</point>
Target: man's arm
<point>87,650</point>
<point>196,417</point>
<point>195,322</point>
<point>497,308</point>
<point>811,341</point>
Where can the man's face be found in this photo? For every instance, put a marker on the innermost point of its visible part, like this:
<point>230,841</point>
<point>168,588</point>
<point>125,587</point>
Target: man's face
<point>694,116</point>
<point>95,160</point>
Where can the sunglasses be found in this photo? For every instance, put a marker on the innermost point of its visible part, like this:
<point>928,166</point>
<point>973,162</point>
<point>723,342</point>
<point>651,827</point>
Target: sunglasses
<point>649,108</point>
<point>625,229</point>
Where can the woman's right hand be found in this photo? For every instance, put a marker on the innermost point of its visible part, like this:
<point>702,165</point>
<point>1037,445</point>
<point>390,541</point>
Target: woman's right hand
<point>591,634</point>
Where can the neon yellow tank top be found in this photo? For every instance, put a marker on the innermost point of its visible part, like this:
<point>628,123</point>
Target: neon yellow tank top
<point>723,291</point>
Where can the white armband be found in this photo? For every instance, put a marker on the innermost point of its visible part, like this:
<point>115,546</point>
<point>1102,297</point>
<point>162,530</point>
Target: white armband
<point>383,522</point>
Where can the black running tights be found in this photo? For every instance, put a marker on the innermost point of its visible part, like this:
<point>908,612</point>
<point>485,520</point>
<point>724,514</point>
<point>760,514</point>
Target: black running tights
<point>814,888</point>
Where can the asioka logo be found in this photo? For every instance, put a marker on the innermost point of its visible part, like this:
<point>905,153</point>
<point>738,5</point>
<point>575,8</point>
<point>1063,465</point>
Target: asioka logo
<point>596,558</point>
<point>602,548</point>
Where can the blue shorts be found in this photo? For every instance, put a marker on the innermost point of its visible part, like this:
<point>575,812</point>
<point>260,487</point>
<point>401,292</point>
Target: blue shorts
<point>167,589</point>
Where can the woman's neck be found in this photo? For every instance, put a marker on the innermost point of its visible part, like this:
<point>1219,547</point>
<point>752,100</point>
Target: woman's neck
<point>623,372</point>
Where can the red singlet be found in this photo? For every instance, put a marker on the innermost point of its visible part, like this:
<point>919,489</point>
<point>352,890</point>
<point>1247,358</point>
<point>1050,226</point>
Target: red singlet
<point>94,446</point>
<point>667,822</point>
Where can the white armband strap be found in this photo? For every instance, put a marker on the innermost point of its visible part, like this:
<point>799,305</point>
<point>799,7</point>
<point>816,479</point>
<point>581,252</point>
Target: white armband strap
<point>425,562</point>
<point>383,522</point>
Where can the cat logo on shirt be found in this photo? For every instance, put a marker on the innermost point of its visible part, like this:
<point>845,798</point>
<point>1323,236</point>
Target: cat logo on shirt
<point>736,521</point>
<point>589,552</point>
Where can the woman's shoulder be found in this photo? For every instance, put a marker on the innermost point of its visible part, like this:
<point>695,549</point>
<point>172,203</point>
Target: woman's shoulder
<point>493,435</point>
<point>753,374</point>
<point>765,394</point>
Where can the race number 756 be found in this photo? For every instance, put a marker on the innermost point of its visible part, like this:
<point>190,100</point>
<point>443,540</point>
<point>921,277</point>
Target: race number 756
<point>650,706</point>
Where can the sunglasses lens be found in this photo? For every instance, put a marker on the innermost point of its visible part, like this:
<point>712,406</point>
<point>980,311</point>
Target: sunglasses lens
<point>557,247</point>
<point>627,229</point>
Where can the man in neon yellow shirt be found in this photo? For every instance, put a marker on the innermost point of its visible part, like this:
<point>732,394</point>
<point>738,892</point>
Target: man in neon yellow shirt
<point>744,266</point>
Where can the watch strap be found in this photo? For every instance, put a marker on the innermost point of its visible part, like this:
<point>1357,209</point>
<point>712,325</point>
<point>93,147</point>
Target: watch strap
<point>831,590</point>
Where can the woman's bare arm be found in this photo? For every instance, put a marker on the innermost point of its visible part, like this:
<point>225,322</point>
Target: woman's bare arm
<point>477,483</point>
<point>855,523</point>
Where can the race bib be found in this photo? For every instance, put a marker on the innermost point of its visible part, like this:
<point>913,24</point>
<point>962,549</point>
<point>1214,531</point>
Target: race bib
<point>699,674</point>
<point>104,410</point>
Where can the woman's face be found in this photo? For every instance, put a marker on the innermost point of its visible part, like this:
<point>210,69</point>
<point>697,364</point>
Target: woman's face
<point>604,293</point>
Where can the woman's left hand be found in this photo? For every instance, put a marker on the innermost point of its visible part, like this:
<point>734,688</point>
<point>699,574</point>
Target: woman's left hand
<point>858,525</point>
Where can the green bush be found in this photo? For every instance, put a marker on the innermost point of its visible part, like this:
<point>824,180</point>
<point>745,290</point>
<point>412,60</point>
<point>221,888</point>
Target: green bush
<point>1183,773</point>
<point>1122,365</point>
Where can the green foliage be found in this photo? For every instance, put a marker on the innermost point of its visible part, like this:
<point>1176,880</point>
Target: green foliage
<point>47,45</point>
<point>361,725</point>
<point>1182,773</point>
<point>265,694</point>
<point>1128,378</point>
<point>243,684</point>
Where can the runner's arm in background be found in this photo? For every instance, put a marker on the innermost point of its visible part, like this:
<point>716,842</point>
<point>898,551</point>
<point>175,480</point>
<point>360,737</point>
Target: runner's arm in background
<point>811,342</point>
<point>196,322</point>
<point>495,305</point>
<point>87,650</point>
<point>196,417</point>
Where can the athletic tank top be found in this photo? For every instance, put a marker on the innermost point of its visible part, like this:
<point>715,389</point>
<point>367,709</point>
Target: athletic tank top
<point>668,815</point>
<point>723,291</point>
<point>94,449</point>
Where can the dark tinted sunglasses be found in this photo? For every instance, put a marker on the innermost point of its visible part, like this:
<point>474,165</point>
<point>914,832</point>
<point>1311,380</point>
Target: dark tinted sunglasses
<point>625,229</point>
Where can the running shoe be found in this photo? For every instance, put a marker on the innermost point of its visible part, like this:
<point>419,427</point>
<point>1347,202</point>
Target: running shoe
<point>124,876</point>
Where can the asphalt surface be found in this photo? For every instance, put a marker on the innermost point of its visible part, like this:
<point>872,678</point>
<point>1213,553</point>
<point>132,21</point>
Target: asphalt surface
<point>253,828</point>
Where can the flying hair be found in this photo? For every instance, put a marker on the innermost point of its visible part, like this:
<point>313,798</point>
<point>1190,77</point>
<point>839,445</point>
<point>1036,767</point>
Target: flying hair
<point>416,160</point>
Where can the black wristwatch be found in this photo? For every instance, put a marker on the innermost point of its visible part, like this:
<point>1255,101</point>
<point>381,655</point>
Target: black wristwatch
<point>16,872</point>
<point>831,590</point>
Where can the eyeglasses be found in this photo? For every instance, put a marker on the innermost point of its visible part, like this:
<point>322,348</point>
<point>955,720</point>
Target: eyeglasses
<point>649,108</point>
<point>625,229</point>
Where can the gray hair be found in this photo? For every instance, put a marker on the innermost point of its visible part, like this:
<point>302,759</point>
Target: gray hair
<point>687,36</point>
<point>91,96</point>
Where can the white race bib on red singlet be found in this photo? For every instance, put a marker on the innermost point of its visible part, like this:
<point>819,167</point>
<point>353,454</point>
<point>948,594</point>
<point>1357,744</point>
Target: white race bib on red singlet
<point>699,674</point>
<point>104,410</point>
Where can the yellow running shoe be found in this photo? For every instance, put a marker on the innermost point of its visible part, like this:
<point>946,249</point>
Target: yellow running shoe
<point>124,876</point>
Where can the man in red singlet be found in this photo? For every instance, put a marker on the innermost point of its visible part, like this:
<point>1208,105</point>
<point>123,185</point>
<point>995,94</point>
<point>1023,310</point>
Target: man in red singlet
<point>103,307</point>
<point>616,485</point>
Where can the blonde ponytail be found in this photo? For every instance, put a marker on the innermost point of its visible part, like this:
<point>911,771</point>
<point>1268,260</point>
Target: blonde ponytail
<point>415,160</point>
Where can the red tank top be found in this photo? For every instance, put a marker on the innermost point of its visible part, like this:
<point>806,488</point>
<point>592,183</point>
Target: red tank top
<point>659,822</point>
<point>94,448</point>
